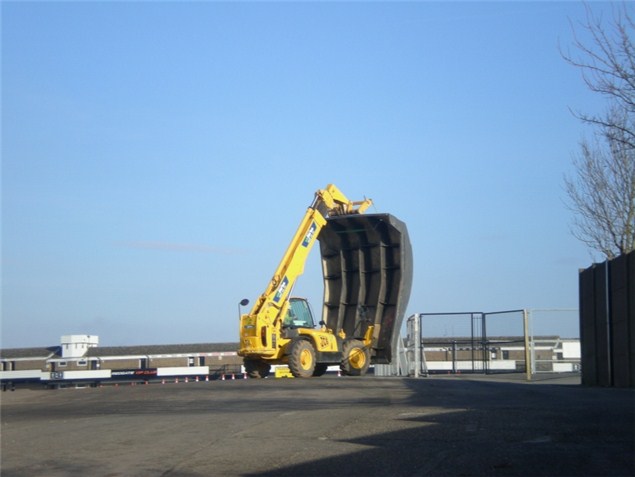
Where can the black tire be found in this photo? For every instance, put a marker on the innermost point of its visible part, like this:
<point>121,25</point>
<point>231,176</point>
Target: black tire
<point>256,369</point>
<point>320,369</point>
<point>355,358</point>
<point>302,359</point>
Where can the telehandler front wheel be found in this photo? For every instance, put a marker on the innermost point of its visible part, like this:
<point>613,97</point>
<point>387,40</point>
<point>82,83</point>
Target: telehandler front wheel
<point>355,358</point>
<point>302,359</point>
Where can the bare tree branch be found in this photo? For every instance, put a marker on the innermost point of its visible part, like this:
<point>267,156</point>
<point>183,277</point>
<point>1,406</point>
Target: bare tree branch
<point>602,197</point>
<point>601,192</point>
<point>607,65</point>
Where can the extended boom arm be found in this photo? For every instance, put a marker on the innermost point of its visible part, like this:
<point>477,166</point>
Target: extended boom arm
<point>327,202</point>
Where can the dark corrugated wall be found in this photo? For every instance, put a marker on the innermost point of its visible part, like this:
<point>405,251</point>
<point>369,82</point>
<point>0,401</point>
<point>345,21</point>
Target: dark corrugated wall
<point>607,322</point>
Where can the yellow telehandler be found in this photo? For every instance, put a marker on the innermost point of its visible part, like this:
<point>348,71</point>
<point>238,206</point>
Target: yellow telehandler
<point>367,272</point>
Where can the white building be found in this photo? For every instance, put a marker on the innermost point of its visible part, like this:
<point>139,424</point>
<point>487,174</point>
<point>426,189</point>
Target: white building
<point>76,346</point>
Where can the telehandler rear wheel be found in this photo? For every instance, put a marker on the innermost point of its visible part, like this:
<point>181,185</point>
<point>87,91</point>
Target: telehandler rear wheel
<point>256,369</point>
<point>355,358</point>
<point>302,359</point>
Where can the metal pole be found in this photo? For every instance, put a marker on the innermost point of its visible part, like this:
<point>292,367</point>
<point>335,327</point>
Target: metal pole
<point>607,299</point>
<point>417,338</point>
<point>484,343</point>
<point>454,357</point>
<point>532,343</point>
<point>472,340</point>
<point>527,353</point>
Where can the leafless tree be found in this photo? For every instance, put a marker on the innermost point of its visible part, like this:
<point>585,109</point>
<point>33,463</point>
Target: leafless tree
<point>602,197</point>
<point>601,193</point>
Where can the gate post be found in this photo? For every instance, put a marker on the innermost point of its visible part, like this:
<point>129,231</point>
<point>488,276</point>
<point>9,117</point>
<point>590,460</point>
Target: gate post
<point>527,353</point>
<point>417,336</point>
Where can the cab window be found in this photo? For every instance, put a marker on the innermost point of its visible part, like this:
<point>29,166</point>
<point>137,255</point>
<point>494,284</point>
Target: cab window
<point>298,314</point>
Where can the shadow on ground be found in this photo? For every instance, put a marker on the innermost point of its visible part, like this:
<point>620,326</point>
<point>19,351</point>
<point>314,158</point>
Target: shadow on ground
<point>495,429</point>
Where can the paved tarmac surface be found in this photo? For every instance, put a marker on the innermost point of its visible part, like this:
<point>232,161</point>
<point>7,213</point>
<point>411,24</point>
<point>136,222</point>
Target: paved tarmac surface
<point>328,426</point>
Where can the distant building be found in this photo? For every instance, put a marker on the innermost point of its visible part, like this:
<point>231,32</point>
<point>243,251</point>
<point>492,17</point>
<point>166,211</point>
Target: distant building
<point>547,354</point>
<point>79,359</point>
<point>496,354</point>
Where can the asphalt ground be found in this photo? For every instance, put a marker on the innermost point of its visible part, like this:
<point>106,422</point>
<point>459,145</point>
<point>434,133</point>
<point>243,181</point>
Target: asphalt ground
<point>328,426</point>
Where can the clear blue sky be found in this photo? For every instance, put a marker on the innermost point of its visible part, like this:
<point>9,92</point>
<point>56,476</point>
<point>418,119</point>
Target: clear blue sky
<point>157,157</point>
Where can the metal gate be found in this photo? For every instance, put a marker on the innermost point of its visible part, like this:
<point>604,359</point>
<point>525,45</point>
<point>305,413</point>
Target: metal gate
<point>467,342</point>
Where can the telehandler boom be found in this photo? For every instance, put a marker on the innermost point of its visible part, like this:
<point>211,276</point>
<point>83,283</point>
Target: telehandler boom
<point>366,265</point>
